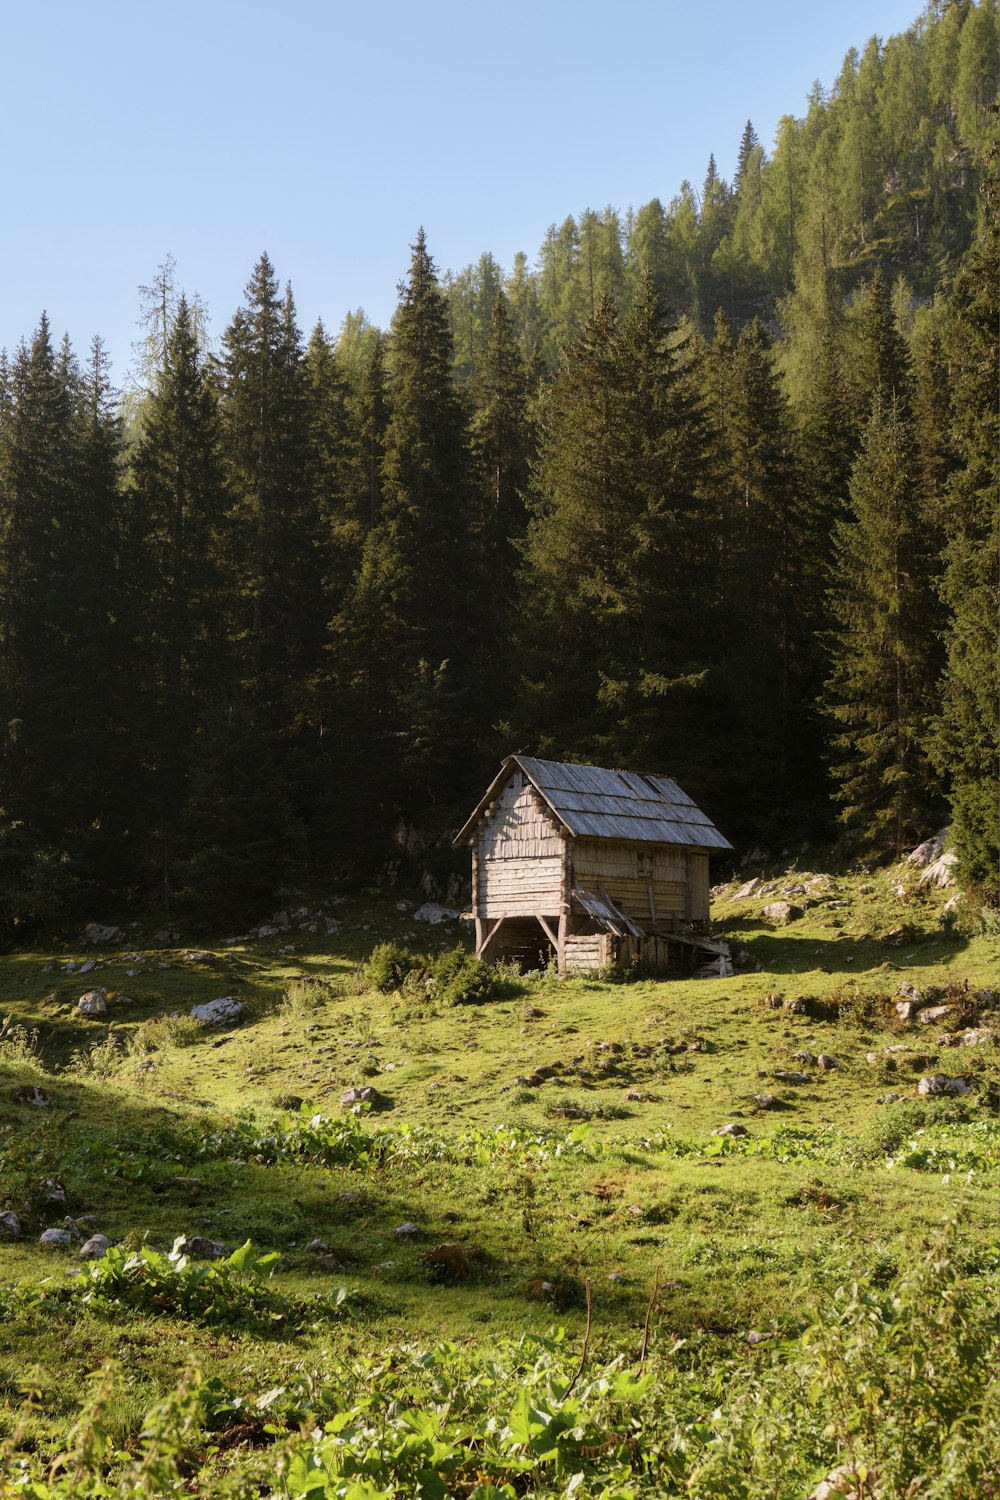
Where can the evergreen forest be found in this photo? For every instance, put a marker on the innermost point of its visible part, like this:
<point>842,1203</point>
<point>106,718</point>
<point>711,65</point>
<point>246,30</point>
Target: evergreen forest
<point>709,488</point>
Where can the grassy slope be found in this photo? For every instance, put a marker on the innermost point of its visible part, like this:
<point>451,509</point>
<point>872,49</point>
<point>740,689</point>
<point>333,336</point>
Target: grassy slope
<point>739,1242</point>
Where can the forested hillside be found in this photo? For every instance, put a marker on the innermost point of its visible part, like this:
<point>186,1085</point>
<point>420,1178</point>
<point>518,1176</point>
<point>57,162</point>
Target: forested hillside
<point>711,490</point>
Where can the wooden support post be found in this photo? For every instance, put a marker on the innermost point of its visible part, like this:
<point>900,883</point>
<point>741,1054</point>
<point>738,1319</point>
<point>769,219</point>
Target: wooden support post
<point>485,933</point>
<point>552,937</point>
<point>561,945</point>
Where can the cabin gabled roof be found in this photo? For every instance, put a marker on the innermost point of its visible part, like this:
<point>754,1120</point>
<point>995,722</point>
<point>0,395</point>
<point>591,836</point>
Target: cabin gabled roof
<point>591,802</point>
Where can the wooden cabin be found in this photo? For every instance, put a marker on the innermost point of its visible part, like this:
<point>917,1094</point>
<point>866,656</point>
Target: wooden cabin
<point>591,866</point>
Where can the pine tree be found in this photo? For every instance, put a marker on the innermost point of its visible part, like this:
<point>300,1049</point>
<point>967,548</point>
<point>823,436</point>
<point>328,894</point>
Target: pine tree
<point>880,687</point>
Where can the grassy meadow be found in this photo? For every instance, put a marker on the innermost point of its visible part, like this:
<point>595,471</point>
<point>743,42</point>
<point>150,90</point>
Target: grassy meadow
<point>536,1267</point>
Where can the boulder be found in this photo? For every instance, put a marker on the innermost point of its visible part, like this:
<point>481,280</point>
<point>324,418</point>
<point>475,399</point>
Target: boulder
<point>364,1095</point>
<point>787,1075</point>
<point>95,1248</point>
<point>746,891</point>
<point>93,1003</point>
<point>796,1006</point>
<point>766,1101</point>
<point>940,1083</point>
<point>908,991</point>
<point>434,913</point>
<point>781,912</point>
<point>930,850</point>
<point>98,932</point>
<point>826,1062</point>
<point>907,1010</point>
<point>977,1036</point>
<point>940,873</point>
<point>30,1093</point>
<point>930,1015</point>
<point>55,1239</point>
<point>222,1012</point>
<point>731,1129</point>
<point>408,1231</point>
<point>10,1226</point>
<point>197,1247</point>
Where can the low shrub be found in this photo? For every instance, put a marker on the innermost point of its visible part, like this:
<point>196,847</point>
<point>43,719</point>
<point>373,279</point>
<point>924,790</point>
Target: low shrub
<point>389,966</point>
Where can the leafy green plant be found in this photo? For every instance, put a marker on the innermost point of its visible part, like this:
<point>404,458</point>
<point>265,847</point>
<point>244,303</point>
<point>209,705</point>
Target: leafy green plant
<point>388,967</point>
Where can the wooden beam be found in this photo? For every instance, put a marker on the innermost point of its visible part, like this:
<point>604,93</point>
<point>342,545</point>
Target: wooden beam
<point>552,937</point>
<point>485,933</point>
<point>561,945</point>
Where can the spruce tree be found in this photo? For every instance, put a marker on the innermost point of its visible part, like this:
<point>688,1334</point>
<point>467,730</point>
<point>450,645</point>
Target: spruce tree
<point>187,605</point>
<point>967,740</point>
<point>880,688</point>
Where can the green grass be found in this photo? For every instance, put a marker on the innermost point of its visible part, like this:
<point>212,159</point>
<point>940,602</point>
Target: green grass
<point>552,1185</point>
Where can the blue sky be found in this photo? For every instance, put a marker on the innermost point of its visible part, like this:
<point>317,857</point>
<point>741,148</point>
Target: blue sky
<point>326,133</point>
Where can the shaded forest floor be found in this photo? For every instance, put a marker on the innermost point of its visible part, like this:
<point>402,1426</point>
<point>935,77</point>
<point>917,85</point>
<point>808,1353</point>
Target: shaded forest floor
<point>565,1135</point>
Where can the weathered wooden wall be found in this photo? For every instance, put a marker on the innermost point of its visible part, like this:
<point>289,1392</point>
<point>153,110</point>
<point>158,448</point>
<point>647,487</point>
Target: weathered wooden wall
<point>586,952</point>
<point>648,882</point>
<point>519,863</point>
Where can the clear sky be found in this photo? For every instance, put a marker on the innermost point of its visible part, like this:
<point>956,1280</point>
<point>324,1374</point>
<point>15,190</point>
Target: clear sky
<point>327,132</point>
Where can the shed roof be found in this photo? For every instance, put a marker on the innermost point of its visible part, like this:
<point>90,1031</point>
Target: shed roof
<point>592,802</point>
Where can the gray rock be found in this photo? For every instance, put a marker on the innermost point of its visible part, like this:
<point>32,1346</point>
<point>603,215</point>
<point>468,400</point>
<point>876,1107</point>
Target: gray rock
<point>940,873</point>
<point>931,849</point>
<point>92,1003</point>
<point>731,1129</point>
<point>166,936</point>
<point>746,891</point>
<point>804,1057</point>
<point>907,1010</point>
<point>54,1190</point>
<point>408,1231</point>
<point>756,1337</point>
<point>364,1095</point>
<point>940,1083</point>
<point>798,1006</point>
<point>788,1075</point>
<point>977,1036</point>
<point>781,912</point>
<point>826,1062</point>
<point>98,932</point>
<point>267,931</point>
<point>908,991</point>
<point>197,1247</point>
<point>95,1248</point>
<point>319,1247</point>
<point>930,1015</point>
<point>55,1239</point>
<point>434,913</point>
<point>766,1101</point>
<point>221,1012</point>
<point>10,1225</point>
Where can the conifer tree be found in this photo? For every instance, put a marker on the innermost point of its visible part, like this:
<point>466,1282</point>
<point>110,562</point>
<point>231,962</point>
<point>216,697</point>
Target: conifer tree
<point>879,691</point>
<point>967,740</point>
<point>187,610</point>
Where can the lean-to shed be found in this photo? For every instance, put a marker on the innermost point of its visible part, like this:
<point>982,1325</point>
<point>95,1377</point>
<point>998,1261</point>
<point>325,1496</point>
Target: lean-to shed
<point>593,866</point>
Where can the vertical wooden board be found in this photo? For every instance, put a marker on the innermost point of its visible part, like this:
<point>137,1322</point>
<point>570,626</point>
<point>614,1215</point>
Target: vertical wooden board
<point>699,887</point>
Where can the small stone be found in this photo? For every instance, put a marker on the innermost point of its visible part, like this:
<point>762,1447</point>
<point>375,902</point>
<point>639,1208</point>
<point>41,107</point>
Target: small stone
<point>532,1013</point>
<point>746,891</point>
<point>408,1231</point>
<point>434,914</point>
<point>92,1003</point>
<point>796,1006</point>
<point>804,1057</point>
<point>95,1248</point>
<point>766,1101</point>
<point>634,1096</point>
<point>10,1225</point>
<point>349,1197</point>
<point>731,1129</point>
<point>907,1010</point>
<point>319,1247</point>
<point>908,991</point>
<point>827,1063</point>
<point>55,1239</point>
<point>54,1190</point>
<point>977,1036</point>
<point>788,1075</point>
<point>756,1337</point>
<point>616,1276</point>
